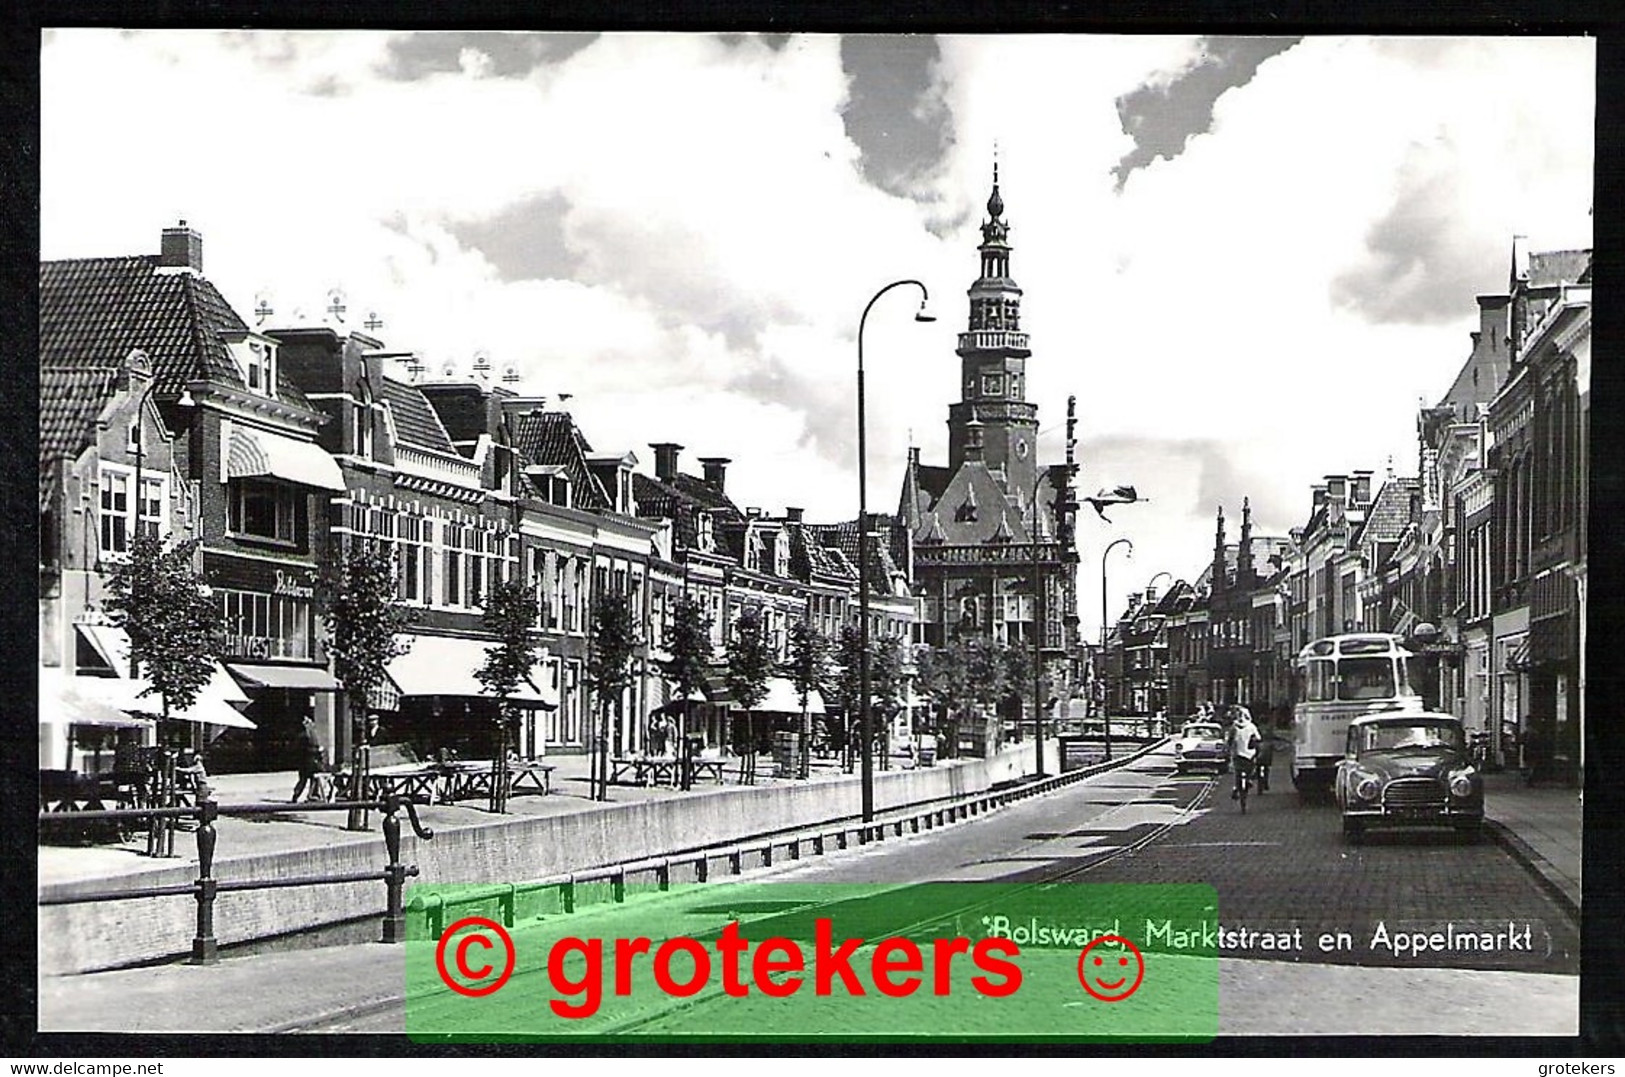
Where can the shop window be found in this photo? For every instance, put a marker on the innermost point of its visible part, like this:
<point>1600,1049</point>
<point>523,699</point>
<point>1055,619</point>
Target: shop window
<point>263,510</point>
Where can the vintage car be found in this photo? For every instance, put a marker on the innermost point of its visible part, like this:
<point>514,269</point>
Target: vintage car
<point>1408,770</point>
<point>1202,744</point>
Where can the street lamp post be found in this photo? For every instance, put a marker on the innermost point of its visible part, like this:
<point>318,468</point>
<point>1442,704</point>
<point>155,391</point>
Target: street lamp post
<point>1106,696</point>
<point>865,729</point>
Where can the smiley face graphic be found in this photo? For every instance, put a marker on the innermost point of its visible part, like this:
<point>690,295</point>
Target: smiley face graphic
<point>1112,973</point>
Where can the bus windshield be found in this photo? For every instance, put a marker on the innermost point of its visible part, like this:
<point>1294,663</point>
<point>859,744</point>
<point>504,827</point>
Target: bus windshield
<point>1366,678</point>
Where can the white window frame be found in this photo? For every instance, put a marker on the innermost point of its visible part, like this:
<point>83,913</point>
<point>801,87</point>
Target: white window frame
<point>156,524</point>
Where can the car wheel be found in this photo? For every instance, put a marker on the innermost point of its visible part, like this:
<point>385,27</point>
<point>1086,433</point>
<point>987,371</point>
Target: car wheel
<point>1353,830</point>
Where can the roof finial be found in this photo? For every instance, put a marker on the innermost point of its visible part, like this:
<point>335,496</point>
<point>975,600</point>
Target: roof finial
<point>995,203</point>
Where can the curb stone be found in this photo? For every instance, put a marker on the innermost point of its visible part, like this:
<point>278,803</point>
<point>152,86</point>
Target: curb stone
<point>1535,864</point>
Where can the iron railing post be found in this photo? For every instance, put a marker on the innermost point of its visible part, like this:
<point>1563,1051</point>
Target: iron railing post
<point>204,947</point>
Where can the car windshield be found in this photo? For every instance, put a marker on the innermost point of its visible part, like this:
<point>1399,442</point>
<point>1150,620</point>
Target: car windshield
<point>1202,731</point>
<point>1386,736</point>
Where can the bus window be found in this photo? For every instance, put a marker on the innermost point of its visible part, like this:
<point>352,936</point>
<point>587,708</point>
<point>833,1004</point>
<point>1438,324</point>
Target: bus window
<point>1320,681</point>
<point>1405,688</point>
<point>1366,678</point>
<point>1367,646</point>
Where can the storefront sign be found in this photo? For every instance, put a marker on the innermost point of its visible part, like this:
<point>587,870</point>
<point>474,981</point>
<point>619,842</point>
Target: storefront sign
<point>294,585</point>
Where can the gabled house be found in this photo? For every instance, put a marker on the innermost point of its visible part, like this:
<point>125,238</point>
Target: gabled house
<point>246,441</point>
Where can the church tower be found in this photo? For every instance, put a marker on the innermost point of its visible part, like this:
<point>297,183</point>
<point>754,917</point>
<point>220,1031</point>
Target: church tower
<point>993,420</point>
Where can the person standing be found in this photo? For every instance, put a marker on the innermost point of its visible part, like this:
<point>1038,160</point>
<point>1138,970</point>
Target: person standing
<point>312,760</point>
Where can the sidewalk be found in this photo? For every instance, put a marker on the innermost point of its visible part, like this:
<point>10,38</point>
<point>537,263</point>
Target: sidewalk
<point>298,830</point>
<point>1541,826</point>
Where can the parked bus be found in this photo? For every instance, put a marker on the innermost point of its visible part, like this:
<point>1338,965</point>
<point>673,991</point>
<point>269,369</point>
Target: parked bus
<point>1339,678</point>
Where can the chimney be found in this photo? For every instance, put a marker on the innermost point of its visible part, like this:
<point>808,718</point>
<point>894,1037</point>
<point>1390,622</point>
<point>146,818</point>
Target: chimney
<point>793,515</point>
<point>1337,488</point>
<point>716,471</point>
<point>1134,601</point>
<point>1320,494</point>
<point>181,248</point>
<point>665,459</point>
<point>1150,596</point>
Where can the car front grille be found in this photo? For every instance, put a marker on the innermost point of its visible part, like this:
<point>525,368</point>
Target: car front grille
<point>1413,794</point>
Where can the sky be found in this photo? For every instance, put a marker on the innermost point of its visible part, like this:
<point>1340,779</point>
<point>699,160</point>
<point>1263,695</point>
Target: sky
<point>1249,259</point>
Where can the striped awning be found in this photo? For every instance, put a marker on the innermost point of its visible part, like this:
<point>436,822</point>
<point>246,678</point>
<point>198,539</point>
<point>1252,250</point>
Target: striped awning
<point>253,453</point>
<point>1518,660</point>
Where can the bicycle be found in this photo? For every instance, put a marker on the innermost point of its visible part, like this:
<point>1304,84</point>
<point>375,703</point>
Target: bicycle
<point>1244,781</point>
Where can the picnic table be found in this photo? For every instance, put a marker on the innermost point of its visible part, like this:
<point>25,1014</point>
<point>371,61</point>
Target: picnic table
<point>645,769</point>
<point>467,779</point>
<point>665,769</point>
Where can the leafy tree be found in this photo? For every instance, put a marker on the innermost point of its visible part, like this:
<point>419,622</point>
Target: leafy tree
<point>809,672</point>
<point>849,685</point>
<point>688,641</point>
<point>750,664</point>
<point>363,625</point>
<point>609,671</point>
<point>988,671</point>
<point>945,679</point>
<point>1018,679</point>
<point>887,688</point>
<point>164,606</point>
<point>510,614</point>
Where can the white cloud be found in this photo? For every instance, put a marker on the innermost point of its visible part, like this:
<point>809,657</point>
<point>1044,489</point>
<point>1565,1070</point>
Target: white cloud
<point>727,244</point>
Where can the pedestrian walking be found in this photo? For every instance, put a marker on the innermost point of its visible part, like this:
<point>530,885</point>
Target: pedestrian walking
<point>312,760</point>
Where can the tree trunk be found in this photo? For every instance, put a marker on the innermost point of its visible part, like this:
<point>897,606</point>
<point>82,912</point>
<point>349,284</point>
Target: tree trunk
<point>804,764</point>
<point>360,757</point>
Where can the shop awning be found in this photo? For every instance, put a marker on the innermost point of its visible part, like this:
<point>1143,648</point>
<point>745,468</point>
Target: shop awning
<point>252,453</point>
<point>65,700</point>
<point>782,698</point>
<point>445,666</point>
<point>1518,660</point>
<point>113,646</point>
<point>99,694</point>
<point>305,678</point>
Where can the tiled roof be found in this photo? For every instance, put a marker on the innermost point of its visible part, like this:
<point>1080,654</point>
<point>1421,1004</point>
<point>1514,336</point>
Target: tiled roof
<point>842,539</point>
<point>416,423</point>
<point>682,502</point>
<point>552,438</point>
<point>69,401</point>
<point>94,311</point>
<point>1390,512</point>
<point>809,556</point>
<point>703,493</point>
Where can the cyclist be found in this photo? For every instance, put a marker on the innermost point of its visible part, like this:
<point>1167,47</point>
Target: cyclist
<point>1244,741</point>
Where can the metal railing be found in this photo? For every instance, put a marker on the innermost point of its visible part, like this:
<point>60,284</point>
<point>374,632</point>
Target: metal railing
<point>756,852</point>
<point>205,888</point>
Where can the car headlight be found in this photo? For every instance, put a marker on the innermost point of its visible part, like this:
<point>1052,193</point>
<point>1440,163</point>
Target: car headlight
<point>1461,783</point>
<point>1365,784</point>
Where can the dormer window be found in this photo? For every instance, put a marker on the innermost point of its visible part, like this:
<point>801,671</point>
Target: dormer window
<point>704,536</point>
<point>259,366</point>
